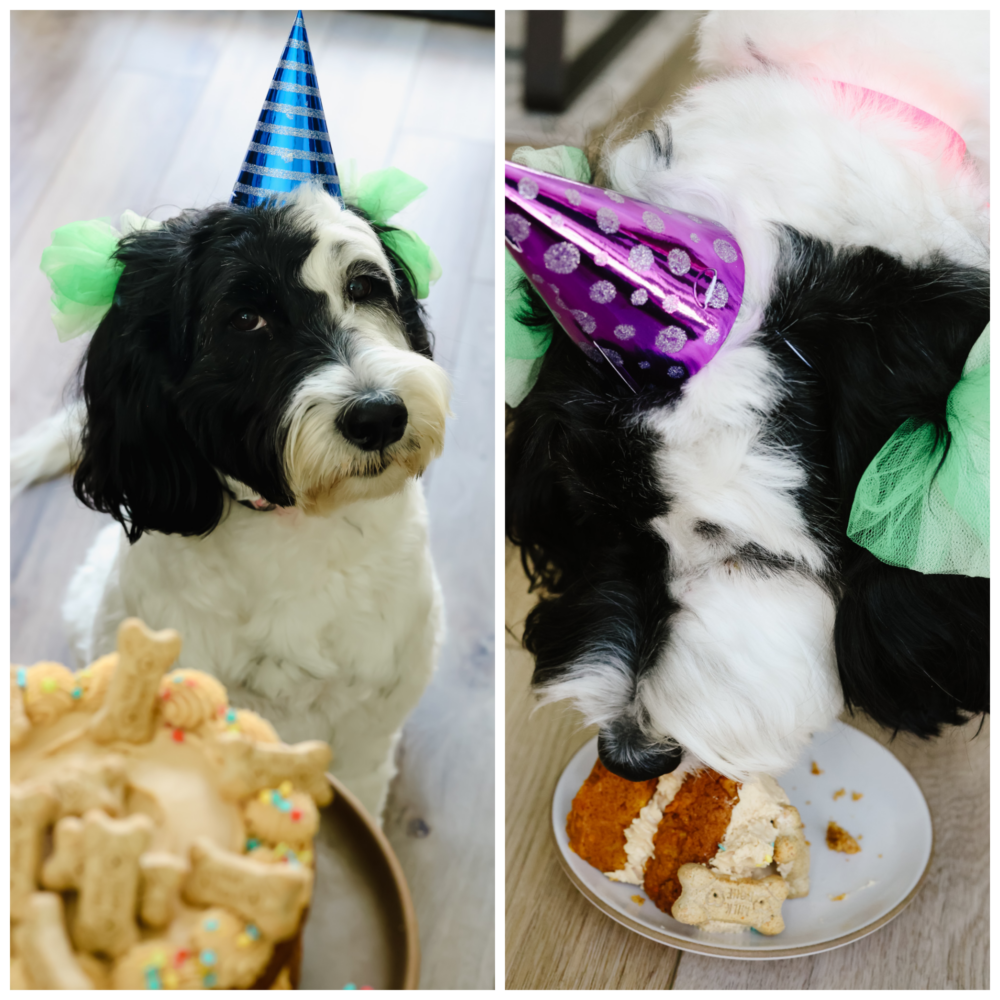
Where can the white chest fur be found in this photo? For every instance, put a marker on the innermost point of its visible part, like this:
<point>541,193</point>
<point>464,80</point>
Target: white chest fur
<point>329,626</point>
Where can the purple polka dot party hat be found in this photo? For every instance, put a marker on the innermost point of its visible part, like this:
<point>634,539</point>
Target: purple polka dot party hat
<point>291,143</point>
<point>646,291</point>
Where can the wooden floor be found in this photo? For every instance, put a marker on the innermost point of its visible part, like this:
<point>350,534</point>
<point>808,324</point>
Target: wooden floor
<point>153,112</point>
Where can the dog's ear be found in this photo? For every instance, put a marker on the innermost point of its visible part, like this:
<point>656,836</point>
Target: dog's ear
<point>138,463</point>
<point>581,471</point>
<point>913,649</point>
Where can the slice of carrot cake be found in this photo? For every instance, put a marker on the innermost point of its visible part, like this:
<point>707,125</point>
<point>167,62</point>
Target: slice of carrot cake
<point>741,833</point>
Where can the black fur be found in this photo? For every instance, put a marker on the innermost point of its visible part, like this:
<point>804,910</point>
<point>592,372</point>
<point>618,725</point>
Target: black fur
<point>175,395</point>
<point>581,493</point>
<point>884,342</point>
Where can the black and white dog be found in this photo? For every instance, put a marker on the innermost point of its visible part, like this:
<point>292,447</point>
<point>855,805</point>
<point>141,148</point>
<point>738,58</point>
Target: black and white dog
<point>702,595</point>
<point>258,404</point>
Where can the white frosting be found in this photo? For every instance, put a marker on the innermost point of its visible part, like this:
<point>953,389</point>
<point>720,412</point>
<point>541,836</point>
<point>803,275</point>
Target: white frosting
<point>639,835</point>
<point>748,844</point>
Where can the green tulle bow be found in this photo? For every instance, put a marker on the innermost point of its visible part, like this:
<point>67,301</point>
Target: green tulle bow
<point>380,195</point>
<point>83,272</point>
<point>83,275</point>
<point>924,501</point>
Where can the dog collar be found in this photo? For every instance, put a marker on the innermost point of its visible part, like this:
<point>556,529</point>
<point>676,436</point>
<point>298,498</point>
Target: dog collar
<point>259,504</point>
<point>646,291</point>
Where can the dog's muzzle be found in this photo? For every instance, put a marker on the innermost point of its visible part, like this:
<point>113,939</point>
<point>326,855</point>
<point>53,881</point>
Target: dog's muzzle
<point>626,752</point>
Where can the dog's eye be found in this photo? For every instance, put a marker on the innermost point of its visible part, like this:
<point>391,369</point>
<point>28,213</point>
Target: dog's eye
<point>359,288</point>
<point>246,319</point>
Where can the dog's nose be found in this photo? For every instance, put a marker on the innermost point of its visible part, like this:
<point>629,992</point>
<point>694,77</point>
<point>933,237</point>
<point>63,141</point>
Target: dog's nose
<point>624,752</point>
<point>374,423</point>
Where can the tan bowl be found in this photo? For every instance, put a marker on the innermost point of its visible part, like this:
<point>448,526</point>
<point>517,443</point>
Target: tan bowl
<point>362,927</point>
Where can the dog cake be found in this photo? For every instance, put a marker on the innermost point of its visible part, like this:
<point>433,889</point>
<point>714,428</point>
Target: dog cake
<point>717,853</point>
<point>160,839</point>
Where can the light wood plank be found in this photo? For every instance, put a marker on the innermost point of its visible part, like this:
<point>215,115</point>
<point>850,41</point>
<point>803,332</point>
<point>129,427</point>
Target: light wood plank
<point>441,813</point>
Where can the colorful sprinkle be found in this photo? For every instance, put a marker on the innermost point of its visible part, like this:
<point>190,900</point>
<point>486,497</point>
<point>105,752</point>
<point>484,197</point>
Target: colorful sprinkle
<point>252,932</point>
<point>165,694</point>
<point>190,682</point>
<point>177,679</point>
<point>22,677</point>
<point>265,796</point>
<point>178,735</point>
<point>276,797</point>
<point>209,979</point>
<point>306,856</point>
<point>285,788</point>
<point>243,941</point>
<point>207,957</point>
<point>368,987</point>
<point>231,715</point>
<point>296,815</point>
<point>350,986</point>
<point>180,957</point>
<point>252,843</point>
<point>77,692</point>
<point>721,847</point>
<point>49,685</point>
<point>158,959</point>
<point>170,980</point>
<point>153,980</point>
<point>211,924</point>
<point>284,805</point>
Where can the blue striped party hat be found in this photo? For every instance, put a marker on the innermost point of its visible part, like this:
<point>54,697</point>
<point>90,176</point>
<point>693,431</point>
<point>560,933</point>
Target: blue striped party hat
<point>291,143</point>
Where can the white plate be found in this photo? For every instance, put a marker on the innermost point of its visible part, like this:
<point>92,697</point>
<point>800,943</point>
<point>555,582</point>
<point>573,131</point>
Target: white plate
<point>891,820</point>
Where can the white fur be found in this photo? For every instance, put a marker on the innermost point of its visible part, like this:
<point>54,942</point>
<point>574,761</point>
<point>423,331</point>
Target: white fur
<point>327,617</point>
<point>329,625</point>
<point>749,671</point>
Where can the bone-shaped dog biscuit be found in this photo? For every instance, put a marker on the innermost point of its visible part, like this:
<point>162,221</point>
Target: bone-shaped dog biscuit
<point>707,896</point>
<point>46,954</point>
<point>94,784</point>
<point>245,767</point>
<point>20,724</point>
<point>130,705</point>
<point>270,896</point>
<point>32,808</point>
<point>63,868</point>
<point>109,884</point>
<point>161,877</point>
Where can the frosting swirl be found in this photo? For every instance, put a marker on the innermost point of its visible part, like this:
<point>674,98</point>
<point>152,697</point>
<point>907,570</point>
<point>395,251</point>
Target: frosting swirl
<point>281,816</point>
<point>156,964</point>
<point>229,949</point>
<point>190,698</point>
<point>48,692</point>
<point>93,680</point>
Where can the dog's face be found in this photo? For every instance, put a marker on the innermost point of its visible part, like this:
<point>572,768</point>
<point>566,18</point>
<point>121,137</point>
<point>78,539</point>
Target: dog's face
<point>278,353</point>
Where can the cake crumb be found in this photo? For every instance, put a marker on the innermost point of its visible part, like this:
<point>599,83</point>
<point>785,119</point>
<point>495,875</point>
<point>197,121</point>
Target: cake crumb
<point>815,768</point>
<point>808,803</point>
<point>839,793</point>
<point>838,839</point>
<point>638,900</point>
<point>857,795</point>
<point>836,899</point>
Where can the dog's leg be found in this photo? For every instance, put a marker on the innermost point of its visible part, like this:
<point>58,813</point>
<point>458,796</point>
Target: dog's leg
<point>94,606</point>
